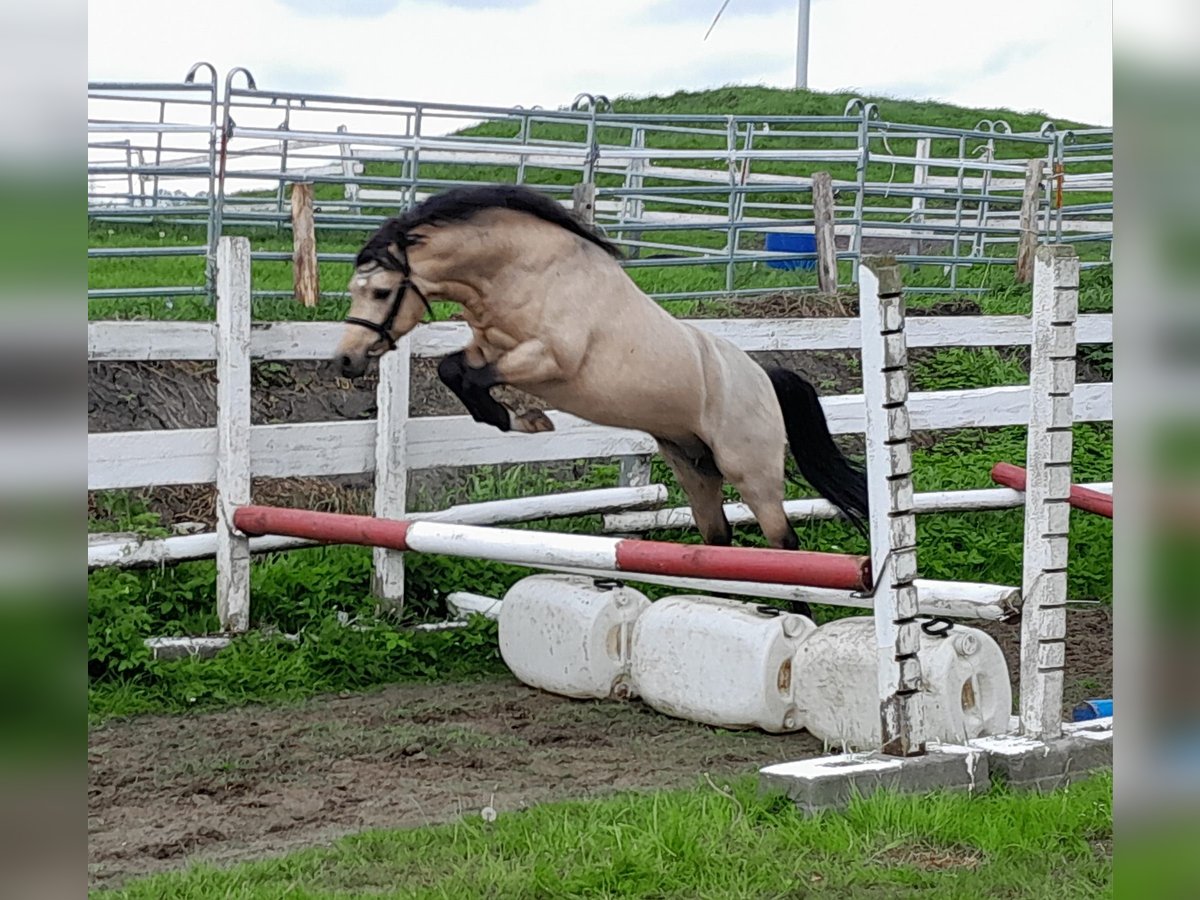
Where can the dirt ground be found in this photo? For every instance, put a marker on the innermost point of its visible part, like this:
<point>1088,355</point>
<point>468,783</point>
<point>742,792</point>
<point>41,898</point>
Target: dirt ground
<point>254,782</point>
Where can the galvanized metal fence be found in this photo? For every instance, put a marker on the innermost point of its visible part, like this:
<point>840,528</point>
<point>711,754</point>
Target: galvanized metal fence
<point>726,197</point>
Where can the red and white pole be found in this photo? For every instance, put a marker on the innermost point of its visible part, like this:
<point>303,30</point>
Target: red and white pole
<point>1081,498</point>
<point>534,548</point>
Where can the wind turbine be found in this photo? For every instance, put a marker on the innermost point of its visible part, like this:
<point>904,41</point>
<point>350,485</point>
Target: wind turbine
<point>802,16</point>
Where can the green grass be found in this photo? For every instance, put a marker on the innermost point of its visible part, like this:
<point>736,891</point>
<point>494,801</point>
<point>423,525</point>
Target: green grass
<point>717,840</point>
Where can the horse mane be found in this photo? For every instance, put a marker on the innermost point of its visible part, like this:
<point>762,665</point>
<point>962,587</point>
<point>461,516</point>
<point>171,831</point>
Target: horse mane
<point>459,204</point>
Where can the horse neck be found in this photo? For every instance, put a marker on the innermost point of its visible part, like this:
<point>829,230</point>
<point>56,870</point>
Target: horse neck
<point>463,262</point>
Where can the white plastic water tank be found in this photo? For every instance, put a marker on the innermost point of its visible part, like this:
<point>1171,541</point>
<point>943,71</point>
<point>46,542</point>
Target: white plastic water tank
<point>720,662</point>
<point>570,634</point>
<point>967,693</point>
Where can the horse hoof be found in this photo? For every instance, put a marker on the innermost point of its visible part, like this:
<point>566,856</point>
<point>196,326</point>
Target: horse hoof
<point>532,422</point>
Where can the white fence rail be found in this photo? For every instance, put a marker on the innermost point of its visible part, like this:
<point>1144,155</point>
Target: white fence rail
<point>189,456</point>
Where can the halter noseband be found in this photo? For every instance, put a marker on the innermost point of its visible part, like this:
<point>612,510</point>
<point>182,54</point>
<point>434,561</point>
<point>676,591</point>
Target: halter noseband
<point>384,328</point>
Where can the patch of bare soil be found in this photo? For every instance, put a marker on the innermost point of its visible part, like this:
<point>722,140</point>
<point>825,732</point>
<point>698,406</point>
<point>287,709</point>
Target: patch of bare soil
<point>165,791</point>
<point>1089,664</point>
<point>254,782</point>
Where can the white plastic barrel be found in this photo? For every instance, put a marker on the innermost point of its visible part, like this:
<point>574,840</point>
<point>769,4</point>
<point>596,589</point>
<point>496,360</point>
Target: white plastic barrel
<point>966,693</point>
<point>717,661</point>
<point>570,634</point>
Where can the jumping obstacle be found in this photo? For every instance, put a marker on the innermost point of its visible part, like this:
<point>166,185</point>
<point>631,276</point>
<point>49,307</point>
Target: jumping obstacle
<point>535,548</point>
<point>887,581</point>
<point>1080,497</point>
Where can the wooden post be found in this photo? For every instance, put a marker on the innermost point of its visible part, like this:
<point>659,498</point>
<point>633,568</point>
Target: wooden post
<point>1048,490</point>
<point>1028,221</point>
<point>827,268</point>
<point>233,431</point>
<point>391,469</point>
<point>893,525</point>
<point>583,201</point>
<point>306,278</point>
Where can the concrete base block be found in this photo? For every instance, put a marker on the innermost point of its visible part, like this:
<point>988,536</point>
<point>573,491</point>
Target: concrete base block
<point>830,782</point>
<point>1021,762</point>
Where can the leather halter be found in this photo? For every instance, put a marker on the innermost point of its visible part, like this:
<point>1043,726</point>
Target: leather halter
<point>384,328</point>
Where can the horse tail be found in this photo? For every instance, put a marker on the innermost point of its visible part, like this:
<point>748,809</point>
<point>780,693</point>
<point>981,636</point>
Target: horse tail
<point>820,461</point>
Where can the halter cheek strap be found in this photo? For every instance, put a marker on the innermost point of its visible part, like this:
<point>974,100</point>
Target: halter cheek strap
<point>384,328</point>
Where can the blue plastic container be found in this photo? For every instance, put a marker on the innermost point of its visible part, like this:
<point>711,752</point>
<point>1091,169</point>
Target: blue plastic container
<point>791,242</point>
<point>1093,709</point>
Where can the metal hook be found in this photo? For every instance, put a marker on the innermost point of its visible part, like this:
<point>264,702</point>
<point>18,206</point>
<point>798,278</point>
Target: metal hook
<point>932,628</point>
<point>190,78</point>
<point>250,83</point>
<point>995,126</point>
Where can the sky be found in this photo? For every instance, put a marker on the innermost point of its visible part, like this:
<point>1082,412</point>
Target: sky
<point>1051,56</point>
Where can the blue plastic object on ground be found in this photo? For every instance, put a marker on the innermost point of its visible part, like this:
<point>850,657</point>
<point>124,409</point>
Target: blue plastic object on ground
<point>786,242</point>
<point>1093,709</point>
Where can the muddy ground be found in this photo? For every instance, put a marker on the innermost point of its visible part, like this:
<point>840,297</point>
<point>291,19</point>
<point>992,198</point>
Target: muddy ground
<point>164,791</point>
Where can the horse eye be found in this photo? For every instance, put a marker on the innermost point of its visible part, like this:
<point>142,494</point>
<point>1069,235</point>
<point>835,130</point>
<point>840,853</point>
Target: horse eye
<point>381,293</point>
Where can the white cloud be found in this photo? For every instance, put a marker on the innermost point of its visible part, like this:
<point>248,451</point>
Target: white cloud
<point>1026,54</point>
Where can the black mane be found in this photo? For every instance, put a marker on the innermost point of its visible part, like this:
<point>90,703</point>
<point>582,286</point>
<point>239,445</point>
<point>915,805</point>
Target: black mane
<point>459,204</point>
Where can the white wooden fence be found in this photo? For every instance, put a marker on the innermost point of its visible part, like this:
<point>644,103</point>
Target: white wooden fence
<point>394,445</point>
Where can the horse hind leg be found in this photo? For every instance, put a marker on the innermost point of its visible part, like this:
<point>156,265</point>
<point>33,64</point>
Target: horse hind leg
<point>704,484</point>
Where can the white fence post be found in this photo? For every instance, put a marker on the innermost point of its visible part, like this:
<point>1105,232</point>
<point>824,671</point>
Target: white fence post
<point>1047,490</point>
<point>233,430</point>
<point>391,468</point>
<point>920,180</point>
<point>893,524</point>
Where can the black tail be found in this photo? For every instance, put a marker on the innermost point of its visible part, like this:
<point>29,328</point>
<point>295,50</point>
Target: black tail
<point>820,461</point>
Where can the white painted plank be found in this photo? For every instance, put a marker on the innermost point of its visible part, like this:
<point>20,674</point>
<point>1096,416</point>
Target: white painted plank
<point>112,340</point>
<point>128,551</point>
<point>391,469</point>
<point>188,456</point>
<point>818,508</point>
<point>121,340</point>
<point>1048,464</point>
<point>233,430</point>
<point>893,550</point>
<point>960,600</point>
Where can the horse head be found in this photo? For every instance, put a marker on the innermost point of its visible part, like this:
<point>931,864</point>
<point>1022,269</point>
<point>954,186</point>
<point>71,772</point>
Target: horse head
<point>385,304</point>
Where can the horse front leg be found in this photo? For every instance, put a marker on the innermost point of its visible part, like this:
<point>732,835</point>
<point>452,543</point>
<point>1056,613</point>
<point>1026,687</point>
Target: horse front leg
<point>463,379</point>
<point>528,364</point>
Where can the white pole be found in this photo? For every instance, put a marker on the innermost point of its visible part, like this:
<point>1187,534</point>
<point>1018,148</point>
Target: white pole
<point>802,43</point>
<point>232,551</point>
